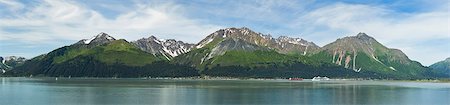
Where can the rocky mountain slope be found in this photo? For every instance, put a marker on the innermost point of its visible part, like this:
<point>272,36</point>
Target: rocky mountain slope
<point>168,48</point>
<point>243,40</point>
<point>363,53</point>
<point>282,44</point>
<point>442,66</point>
<point>101,56</point>
<point>9,62</point>
<point>242,52</point>
<point>97,40</point>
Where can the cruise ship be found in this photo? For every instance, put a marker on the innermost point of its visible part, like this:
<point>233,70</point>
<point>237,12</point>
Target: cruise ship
<point>318,78</point>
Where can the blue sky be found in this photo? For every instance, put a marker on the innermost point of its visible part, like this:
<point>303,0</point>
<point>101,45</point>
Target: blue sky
<point>420,28</point>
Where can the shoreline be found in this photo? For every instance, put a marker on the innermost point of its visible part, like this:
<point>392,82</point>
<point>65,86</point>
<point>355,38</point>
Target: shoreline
<point>234,78</point>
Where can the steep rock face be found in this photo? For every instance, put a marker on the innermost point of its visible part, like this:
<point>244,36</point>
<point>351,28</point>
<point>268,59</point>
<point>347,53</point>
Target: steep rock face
<point>9,62</point>
<point>363,53</point>
<point>442,66</point>
<point>295,45</point>
<point>233,44</point>
<point>99,39</point>
<point>238,46</point>
<point>12,60</point>
<point>222,42</point>
<point>282,44</point>
<point>168,48</point>
<point>202,57</point>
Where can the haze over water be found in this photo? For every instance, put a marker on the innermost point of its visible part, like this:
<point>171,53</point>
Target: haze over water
<point>48,91</point>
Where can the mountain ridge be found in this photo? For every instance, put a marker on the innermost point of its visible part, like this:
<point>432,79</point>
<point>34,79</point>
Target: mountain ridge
<point>442,66</point>
<point>247,52</point>
<point>9,62</point>
<point>169,48</point>
<point>365,53</point>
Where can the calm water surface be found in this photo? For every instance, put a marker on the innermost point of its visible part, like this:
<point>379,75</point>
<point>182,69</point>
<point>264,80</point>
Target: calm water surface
<point>48,91</point>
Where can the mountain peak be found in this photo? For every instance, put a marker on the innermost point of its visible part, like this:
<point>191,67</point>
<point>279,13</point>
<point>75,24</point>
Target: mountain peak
<point>239,31</point>
<point>169,48</point>
<point>103,35</point>
<point>100,38</point>
<point>234,28</point>
<point>245,28</point>
<point>298,41</point>
<point>8,58</point>
<point>363,36</point>
<point>152,37</point>
<point>442,66</point>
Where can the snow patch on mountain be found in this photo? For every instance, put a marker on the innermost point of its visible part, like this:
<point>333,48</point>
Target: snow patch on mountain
<point>203,44</point>
<point>375,58</point>
<point>393,68</point>
<point>89,40</point>
<point>297,41</point>
<point>99,39</point>
<point>166,47</point>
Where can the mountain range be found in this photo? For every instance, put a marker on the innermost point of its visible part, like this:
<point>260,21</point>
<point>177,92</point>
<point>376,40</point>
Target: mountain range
<point>443,66</point>
<point>9,62</point>
<point>230,52</point>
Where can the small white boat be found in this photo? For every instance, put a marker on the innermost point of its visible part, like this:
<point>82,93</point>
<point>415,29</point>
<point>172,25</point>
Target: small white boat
<point>318,78</point>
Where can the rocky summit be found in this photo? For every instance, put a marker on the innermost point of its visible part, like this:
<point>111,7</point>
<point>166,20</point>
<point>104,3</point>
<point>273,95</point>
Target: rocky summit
<point>9,62</point>
<point>101,38</point>
<point>169,48</point>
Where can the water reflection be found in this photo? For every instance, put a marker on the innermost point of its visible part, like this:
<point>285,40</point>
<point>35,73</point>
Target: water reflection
<point>3,81</point>
<point>207,92</point>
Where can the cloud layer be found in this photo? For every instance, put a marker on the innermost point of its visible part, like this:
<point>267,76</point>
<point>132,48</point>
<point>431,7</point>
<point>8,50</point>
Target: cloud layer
<point>68,20</point>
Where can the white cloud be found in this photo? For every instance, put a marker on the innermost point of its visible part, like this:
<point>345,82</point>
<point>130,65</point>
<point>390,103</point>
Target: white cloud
<point>380,22</point>
<point>69,20</point>
<point>404,31</point>
<point>12,4</point>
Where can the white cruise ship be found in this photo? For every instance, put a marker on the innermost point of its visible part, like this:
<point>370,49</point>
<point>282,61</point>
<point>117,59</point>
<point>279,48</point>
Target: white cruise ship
<point>318,78</point>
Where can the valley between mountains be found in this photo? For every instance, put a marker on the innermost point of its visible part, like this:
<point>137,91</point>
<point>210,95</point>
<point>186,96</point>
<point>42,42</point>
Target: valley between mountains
<point>230,52</point>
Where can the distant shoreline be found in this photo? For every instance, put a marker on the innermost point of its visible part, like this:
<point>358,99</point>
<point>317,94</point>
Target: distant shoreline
<point>234,78</point>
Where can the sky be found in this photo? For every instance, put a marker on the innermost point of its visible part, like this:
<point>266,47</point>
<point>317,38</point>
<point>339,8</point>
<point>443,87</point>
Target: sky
<point>420,28</point>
